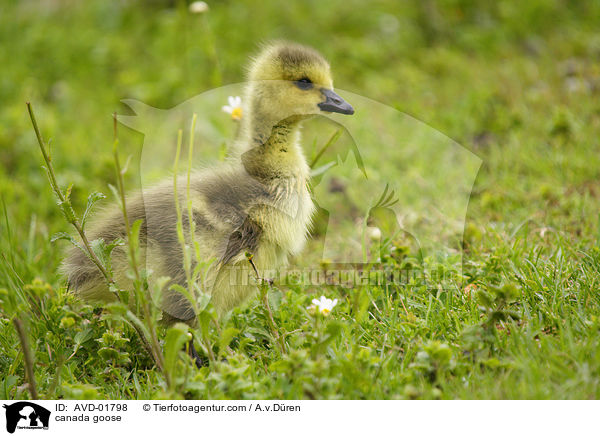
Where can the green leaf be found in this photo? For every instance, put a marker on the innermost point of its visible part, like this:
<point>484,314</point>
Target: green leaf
<point>134,232</point>
<point>322,169</point>
<point>177,336</point>
<point>71,239</point>
<point>115,192</point>
<point>281,366</point>
<point>158,286</point>
<point>364,301</point>
<point>484,298</point>
<point>508,292</point>
<point>103,251</point>
<point>117,309</point>
<point>334,328</point>
<point>275,298</point>
<point>92,199</point>
<point>183,291</point>
<point>205,317</point>
<point>67,208</point>
<point>226,338</point>
<point>7,385</point>
<point>126,166</point>
<point>134,320</point>
<point>332,331</point>
<point>108,353</point>
<point>67,322</point>
<point>83,336</point>
<point>202,301</point>
<point>68,193</point>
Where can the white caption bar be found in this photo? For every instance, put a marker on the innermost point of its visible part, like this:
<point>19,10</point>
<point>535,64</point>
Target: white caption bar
<point>264,418</point>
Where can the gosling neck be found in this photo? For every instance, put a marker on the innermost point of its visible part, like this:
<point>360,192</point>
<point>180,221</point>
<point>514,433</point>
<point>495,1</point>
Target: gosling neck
<point>275,150</point>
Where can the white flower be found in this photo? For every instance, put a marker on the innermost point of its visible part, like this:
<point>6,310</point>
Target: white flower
<point>234,108</point>
<point>324,305</point>
<point>198,7</point>
<point>374,233</point>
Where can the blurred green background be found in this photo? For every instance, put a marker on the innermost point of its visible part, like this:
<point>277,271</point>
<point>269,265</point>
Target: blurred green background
<point>487,74</point>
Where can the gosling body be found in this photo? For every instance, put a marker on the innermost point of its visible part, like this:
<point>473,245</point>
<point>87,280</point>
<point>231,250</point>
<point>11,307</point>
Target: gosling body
<point>258,202</point>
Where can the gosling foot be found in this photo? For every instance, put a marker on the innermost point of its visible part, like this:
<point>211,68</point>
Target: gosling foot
<point>199,360</point>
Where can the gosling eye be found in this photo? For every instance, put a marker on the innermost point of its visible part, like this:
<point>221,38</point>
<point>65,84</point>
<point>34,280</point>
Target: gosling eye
<point>305,83</point>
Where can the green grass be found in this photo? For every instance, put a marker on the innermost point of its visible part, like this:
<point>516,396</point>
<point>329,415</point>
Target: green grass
<point>517,84</point>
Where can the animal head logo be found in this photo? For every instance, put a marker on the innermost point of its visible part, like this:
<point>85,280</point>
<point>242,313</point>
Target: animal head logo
<point>389,183</point>
<point>26,415</point>
<point>389,177</point>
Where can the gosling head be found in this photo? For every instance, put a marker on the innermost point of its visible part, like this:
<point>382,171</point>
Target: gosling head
<point>291,81</point>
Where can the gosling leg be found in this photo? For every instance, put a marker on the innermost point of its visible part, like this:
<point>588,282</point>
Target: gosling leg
<point>199,360</point>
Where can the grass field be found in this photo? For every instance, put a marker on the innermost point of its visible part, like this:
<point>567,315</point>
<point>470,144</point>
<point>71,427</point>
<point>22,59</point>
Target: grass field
<point>515,83</point>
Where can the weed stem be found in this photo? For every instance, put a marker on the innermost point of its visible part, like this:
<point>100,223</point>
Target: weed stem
<point>65,201</point>
<point>28,357</point>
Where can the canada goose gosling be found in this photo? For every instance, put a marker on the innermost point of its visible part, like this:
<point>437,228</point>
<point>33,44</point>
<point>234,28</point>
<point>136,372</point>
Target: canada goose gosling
<point>256,203</point>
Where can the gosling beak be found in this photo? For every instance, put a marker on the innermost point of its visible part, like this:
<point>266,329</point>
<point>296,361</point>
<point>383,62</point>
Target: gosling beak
<point>335,103</point>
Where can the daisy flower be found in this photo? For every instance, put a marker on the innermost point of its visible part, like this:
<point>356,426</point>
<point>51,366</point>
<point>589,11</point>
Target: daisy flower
<point>198,7</point>
<point>234,108</point>
<point>374,233</point>
<point>323,305</point>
